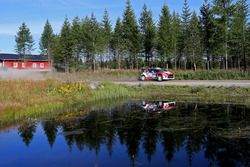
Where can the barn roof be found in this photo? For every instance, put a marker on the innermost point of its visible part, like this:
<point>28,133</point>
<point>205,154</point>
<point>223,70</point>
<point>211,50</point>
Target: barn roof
<point>5,56</point>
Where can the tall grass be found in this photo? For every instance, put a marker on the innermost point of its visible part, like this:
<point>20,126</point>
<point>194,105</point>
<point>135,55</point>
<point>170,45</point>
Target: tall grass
<point>109,91</point>
<point>21,100</point>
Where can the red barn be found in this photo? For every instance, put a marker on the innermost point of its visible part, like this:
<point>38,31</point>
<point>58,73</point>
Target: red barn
<point>31,62</point>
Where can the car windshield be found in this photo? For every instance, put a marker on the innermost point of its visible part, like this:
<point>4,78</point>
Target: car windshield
<point>161,70</point>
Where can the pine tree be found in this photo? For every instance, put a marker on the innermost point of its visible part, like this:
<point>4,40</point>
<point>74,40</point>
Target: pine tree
<point>194,41</point>
<point>107,34</point>
<point>175,36</point>
<point>66,44</point>
<point>148,33</point>
<point>206,24</point>
<point>117,42</point>
<point>239,28</point>
<point>24,41</point>
<point>186,14</point>
<point>130,34</point>
<point>223,11</point>
<point>76,41</point>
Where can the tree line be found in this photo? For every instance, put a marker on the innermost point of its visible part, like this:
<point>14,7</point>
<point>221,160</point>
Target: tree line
<point>218,37</point>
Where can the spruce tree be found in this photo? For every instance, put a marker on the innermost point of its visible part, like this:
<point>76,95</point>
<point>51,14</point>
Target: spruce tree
<point>58,59</point>
<point>24,41</point>
<point>66,44</point>
<point>223,11</point>
<point>194,41</point>
<point>117,42</point>
<point>207,25</point>
<point>164,35</point>
<point>248,45</point>
<point>185,20</point>
<point>91,39</point>
<point>130,35</point>
<point>76,41</point>
<point>148,33</point>
<point>175,36</point>
<point>239,28</point>
<point>106,35</point>
<point>46,39</point>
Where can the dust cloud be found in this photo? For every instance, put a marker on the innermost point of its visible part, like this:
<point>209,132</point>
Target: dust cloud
<point>22,75</point>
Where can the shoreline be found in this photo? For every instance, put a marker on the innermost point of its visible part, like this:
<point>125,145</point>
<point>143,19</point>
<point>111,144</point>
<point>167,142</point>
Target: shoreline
<point>21,101</point>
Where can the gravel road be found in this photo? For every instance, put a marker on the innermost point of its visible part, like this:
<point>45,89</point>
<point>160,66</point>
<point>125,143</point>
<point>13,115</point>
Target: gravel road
<point>206,83</point>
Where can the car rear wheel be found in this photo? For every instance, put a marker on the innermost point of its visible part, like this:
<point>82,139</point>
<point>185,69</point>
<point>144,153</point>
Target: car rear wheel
<point>143,78</point>
<point>159,78</point>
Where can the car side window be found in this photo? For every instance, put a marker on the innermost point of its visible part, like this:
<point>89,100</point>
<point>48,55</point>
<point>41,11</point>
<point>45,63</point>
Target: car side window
<point>150,73</point>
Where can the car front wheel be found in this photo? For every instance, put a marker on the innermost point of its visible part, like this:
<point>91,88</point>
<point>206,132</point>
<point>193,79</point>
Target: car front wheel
<point>159,78</point>
<point>143,78</point>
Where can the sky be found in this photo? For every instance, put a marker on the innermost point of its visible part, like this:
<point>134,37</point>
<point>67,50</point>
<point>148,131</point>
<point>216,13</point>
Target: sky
<point>35,13</point>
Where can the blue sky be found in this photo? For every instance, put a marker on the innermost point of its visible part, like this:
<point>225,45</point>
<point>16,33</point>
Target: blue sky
<point>35,12</point>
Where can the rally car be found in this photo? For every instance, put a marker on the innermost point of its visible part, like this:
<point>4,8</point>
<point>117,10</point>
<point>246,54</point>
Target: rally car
<point>158,74</point>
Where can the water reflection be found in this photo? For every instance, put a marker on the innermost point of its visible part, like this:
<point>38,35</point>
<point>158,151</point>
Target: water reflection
<point>158,106</point>
<point>218,133</point>
<point>26,132</point>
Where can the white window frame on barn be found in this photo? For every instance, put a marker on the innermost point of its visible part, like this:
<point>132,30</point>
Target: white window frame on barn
<point>34,65</point>
<point>41,65</point>
<point>15,65</point>
<point>23,65</point>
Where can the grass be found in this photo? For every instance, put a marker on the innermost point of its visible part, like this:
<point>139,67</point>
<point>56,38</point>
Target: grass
<point>212,75</point>
<point>23,100</point>
<point>99,75</point>
<point>133,75</point>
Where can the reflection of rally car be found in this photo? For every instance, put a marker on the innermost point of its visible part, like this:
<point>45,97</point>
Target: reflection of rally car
<point>158,74</point>
<point>158,106</point>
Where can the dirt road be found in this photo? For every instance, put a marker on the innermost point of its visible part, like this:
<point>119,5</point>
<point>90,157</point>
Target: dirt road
<point>206,83</point>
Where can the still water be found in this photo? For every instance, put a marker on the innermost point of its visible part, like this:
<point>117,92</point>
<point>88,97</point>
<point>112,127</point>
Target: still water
<point>134,133</point>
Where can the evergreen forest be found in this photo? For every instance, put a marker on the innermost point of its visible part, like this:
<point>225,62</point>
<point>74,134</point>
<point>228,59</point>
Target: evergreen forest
<point>215,37</point>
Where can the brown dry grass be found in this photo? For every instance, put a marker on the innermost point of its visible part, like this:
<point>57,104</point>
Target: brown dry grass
<point>20,94</point>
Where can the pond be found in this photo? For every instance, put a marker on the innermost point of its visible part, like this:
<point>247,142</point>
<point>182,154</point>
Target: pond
<point>134,133</point>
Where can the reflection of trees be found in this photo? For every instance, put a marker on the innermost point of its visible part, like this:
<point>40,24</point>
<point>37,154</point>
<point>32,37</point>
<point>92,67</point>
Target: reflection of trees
<point>171,141</point>
<point>150,136</point>
<point>50,129</point>
<point>26,132</point>
<point>190,127</point>
<point>133,133</point>
<point>222,152</point>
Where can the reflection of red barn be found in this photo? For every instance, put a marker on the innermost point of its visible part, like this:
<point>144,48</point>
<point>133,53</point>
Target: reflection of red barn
<point>31,62</point>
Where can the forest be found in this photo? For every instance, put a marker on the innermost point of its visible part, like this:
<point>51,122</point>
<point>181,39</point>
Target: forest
<point>215,37</point>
